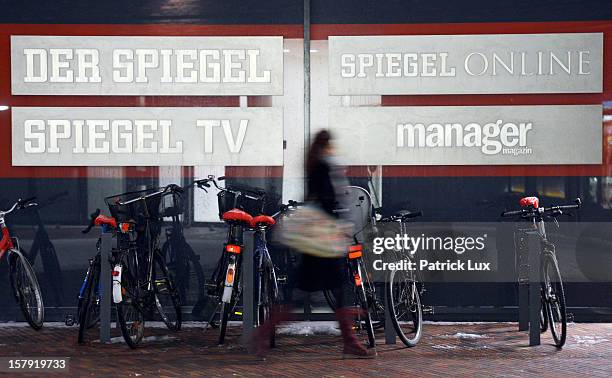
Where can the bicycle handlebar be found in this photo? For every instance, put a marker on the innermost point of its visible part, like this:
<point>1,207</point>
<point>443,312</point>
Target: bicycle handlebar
<point>20,204</point>
<point>402,216</point>
<point>92,220</point>
<point>553,211</point>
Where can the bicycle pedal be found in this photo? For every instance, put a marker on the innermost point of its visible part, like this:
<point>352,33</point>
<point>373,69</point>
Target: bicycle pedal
<point>281,279</point>
<point>428,310</point>
<point>69,320</point>
<point>570,317</point>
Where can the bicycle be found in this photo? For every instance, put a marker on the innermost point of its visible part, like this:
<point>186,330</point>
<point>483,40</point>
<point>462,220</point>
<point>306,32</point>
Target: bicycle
<point>141,281</point>
<point>266,281</point>
<point>553,311</point>
<point>23,279</point>
<point>236,204</point>
<point>90,294</point>
<point>180,257</point>
<point>43,246</point>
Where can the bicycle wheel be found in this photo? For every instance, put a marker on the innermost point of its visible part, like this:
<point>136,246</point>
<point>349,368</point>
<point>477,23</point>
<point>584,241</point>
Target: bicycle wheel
<point>404,303</point>
<point>364,317</point>
<point>167,299</point>
<point>189,279</point>
<point>227,307</point>
<point>27,290</point>
<point>269,298</point>
<point>555,300</point>
<point>129,315</point>
<point>543,314</point>
<point>331,299</point>
<point>88,311</point>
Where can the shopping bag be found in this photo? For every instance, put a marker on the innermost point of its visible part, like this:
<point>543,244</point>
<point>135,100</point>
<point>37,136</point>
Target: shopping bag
<point>312,231</point>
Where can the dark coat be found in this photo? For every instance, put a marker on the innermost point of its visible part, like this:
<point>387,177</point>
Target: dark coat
<point>316,273</point>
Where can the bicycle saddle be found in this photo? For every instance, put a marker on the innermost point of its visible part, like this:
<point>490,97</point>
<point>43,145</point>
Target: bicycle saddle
<point>103,219</point>
<point>530,201</point>
<point>264,220</point>
<point>237,215</point>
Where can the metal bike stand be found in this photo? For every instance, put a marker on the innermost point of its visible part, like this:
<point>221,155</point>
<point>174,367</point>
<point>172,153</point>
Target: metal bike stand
<point>105,287</point>
<point>534,289</point>
<point>248,284</point>
<point>529,289</point>
<point>390,336</point>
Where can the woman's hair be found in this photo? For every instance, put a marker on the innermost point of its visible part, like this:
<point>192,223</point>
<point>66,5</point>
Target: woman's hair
<point>321,141</point>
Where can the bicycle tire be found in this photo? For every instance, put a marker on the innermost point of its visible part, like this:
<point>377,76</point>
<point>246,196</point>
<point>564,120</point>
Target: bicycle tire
<point>264,310</point>
<point>129,315</point>
<point>187,278</point>
<point>396,299</point>
<point>365,313</point>
<point>164,287</point>
<point>555,298</point>
<point>27,290</point>
<point>87,314</point>
<point>543,314</point>
<point>330,299</point>
<point>225,314</point>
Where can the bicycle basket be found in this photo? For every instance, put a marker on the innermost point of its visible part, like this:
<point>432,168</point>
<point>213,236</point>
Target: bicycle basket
<point>172,204</point>
<point>137,211</point>
<point>250,200</point>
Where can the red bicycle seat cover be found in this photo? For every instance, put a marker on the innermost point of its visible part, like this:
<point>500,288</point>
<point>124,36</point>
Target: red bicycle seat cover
<point>237,215</point>
<point>103,219</point>
<point>530,201</point>
<point>263,219</point>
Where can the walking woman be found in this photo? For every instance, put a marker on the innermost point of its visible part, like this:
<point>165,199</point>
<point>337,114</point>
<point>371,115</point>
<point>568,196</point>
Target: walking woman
<point>318,273</point>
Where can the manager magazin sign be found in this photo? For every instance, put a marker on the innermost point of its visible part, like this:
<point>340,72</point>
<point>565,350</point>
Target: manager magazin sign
<point>146,66</point>
<point>474,135</point>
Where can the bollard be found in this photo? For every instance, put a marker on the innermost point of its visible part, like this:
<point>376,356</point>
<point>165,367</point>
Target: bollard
<point>390,336</point>
<point>105,287</point>
<point>534,250</point>
<point>248,280</point>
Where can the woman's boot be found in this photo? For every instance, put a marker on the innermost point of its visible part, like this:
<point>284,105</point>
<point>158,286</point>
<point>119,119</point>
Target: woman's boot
<point>352,347</point>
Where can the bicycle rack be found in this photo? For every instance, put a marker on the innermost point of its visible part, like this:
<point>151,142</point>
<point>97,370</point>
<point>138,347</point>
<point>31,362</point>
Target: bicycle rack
<point>105,287</point>
<point>529,287</point>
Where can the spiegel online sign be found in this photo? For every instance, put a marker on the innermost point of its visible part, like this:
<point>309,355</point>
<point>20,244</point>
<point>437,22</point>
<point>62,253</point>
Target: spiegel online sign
<point>466,64</point>
<point>477,135</point>
<point>119,66</point>
<point>146,136</point>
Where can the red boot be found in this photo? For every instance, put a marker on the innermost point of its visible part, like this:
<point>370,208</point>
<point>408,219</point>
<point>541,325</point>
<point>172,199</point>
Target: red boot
<point>352,347</point>
<point>262,338</point>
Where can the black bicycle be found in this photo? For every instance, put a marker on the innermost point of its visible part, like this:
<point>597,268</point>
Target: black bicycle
<point>553,312</point>
<point>90,294</point>
<point>23,279</point>
<point>183,263</point>
<point>146,285</point>
<point>43,246</point>
<point>267,293</point>
<point>236,206</point>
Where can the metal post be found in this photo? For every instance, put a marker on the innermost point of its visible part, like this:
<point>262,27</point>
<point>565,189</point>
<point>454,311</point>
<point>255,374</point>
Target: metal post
<point>306,81</point>
<point>105,287</point>
<point>523,306</point>
<point>534,289</point>
<point>248,279</point>
<point>390,336</point>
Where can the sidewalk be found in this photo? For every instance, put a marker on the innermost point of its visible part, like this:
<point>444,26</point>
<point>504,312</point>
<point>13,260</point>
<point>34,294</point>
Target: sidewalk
<point>489,349</point>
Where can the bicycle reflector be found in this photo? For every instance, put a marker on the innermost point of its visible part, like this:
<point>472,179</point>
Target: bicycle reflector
<point>230,276</point>
<point>233,248</point>
<point>125,227</point>
<point>355,251</point>
<point>357,280</point>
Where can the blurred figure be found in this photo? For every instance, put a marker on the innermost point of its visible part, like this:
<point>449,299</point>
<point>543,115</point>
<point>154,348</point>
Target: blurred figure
<point>317,273</point>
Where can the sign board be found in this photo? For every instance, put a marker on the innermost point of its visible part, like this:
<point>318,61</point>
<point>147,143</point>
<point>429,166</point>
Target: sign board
<point>146,66</point>
<point>466,64</point>
<point>475,135</point>
<point>146,136</point>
